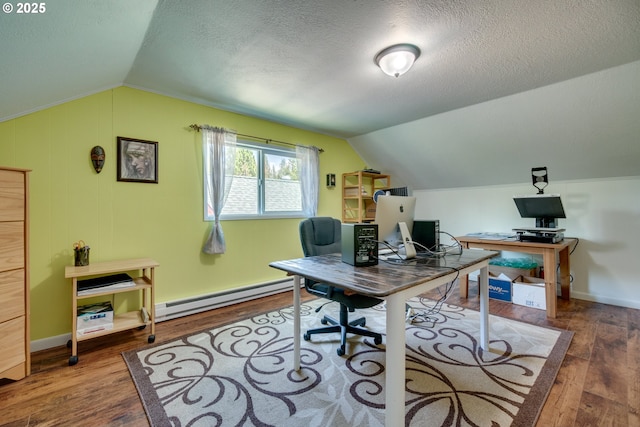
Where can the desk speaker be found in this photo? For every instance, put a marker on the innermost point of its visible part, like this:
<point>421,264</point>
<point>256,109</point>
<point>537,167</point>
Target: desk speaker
<point>360,244</point>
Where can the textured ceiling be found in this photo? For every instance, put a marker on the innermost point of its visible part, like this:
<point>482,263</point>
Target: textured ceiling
<point>310,63</point>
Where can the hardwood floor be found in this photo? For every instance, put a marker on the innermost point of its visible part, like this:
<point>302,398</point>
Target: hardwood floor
<point>598,384</point>
<point>599,381</point>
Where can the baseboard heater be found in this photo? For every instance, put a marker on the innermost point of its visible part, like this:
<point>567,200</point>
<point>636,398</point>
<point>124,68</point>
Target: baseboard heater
<point>179,308</point>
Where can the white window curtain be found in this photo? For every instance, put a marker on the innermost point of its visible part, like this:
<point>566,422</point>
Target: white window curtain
<point>219,151</point>
<point>309,168</point>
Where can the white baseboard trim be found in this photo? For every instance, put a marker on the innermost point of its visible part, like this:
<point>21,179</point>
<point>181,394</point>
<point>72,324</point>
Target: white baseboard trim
<point>184,307</point>
<point>50,342</point>
<point>605,300</point>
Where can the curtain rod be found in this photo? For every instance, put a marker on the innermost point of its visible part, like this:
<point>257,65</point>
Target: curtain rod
<point>197,128</point>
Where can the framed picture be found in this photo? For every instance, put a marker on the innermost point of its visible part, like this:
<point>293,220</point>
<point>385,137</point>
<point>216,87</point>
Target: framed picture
<point>137,160</point>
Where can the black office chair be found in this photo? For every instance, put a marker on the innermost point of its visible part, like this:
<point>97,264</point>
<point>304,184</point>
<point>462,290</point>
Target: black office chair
<point>321,236</point>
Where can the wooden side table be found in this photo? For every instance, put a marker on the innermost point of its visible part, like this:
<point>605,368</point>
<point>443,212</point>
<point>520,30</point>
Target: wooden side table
<point>144,282</point>
<point>551,254</point>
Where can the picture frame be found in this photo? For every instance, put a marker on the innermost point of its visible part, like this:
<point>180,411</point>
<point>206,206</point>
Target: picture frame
<point>137,160</point>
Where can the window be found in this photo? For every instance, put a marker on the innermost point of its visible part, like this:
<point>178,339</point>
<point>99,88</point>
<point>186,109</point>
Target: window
<point>265,184</point>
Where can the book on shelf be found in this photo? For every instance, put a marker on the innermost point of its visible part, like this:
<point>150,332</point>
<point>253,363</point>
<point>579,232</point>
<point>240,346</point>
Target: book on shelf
<point>105,283</point>
<point>96,309</point>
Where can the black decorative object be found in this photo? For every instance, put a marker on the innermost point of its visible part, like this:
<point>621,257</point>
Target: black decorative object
<point>540,178</point>
<point>97,158</point>
<point>331,180</point>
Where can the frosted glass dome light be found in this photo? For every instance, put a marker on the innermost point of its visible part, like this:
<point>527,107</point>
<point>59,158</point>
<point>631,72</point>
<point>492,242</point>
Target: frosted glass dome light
<point>397,59</point>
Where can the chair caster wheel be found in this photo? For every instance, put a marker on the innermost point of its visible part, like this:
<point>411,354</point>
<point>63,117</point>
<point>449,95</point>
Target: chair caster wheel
<point>69,343</point>
<point>377,340</point>
<point>306,337</point>
<point>73,360</point>
<point>151,339</point>
<point>324,321</point>
<point>340,351</point>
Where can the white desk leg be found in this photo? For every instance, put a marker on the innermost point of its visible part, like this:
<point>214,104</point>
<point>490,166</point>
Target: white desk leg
<point>296,322</point>
<point>395,361</point>
<point>484,308</point>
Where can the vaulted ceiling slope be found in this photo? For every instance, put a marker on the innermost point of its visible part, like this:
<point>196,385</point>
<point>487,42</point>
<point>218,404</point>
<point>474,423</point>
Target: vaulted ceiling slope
<point>582,129</point>
<point>310,63</point>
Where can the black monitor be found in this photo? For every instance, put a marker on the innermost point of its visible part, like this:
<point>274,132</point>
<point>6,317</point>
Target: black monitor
<point>397,191</point>
<point>545,208</point>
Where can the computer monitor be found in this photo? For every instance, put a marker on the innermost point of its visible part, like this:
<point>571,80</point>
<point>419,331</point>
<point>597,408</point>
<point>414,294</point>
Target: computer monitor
<point>545,208</point>
<point>397,191</point>
<point>390,211</point>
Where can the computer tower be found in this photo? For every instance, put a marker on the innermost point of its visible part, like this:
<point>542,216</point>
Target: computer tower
<point>427,234</point>
<point>360,244</point>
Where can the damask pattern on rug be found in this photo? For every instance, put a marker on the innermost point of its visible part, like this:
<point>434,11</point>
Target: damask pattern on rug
<point>241,374</point>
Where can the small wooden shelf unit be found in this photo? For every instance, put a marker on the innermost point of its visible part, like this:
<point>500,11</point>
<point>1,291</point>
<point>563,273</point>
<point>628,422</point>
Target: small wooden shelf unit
<point>358,189</point>
<point>144,282</point>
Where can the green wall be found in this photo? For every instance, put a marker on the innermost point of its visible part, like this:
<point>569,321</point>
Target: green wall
<point>118,220</point>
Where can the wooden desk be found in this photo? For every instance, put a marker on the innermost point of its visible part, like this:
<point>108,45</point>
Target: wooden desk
<point>550,253</point>
<point>396,284</point>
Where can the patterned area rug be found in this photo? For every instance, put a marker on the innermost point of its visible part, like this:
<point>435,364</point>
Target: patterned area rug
<point>241,374</point>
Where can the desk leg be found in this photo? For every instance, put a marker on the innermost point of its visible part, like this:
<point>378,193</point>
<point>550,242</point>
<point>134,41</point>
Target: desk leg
<point>483,291</point>
<point>550,280</point>
<point>395,361</point>
<point>565,274</point>
<point>463,282</point>
<point>296,322</point>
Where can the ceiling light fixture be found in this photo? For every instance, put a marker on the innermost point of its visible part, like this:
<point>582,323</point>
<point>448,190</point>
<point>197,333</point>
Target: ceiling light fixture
<point>397,59</point>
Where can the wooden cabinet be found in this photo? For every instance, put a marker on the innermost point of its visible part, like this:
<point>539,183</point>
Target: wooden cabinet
<point>15,358</point>
<point>143,273</point>
<point>358,189</point>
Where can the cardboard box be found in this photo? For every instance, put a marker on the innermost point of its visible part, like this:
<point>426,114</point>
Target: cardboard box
<point>370,209</point>
<point>500,287</point>
<point>355,191</point>
<point>530,292</point>
<point>94,318</point>
<point>512,272</point>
